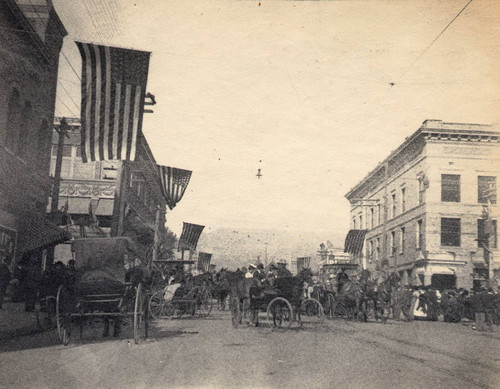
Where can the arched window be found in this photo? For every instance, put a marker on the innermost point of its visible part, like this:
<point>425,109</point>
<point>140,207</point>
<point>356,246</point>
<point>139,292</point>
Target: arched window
<point>24,130</point>
<point>13,120</point>
<point>44,140</point>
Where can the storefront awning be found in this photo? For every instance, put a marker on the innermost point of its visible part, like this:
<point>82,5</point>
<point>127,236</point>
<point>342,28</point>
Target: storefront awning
<point>354,241</point>
<point>39,233</point>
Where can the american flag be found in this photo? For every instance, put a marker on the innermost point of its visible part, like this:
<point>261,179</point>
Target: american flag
<point>174,183</point>
<point>113,88</point>
<point>189,236</point>
<point>204,262</point>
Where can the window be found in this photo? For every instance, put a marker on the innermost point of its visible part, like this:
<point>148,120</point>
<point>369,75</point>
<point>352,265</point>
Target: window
<point>23,136</point>
<point>137,182</point>
<point>421,189</point>
<point>353,223</point>
<point>377,249</point>
<point>360,222</point>
<point>450,232</point>
<point>482,233</point>
<point>379,208</point>
<point>450,188</point>
<point>403,200</point>
<point>486,189</point>
<point>420,236</point>
<point>13,120</point>
<point>372,218</point>
<point>43,144</point>
<point>370,251</point>
<point>393,200</point>
<point>394,247</point>
<point>402,240</point>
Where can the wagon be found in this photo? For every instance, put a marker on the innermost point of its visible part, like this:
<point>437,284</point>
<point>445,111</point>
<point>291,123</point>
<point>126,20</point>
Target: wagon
<point>284,302</point>
<point>108,286</point>
<point>177,299</point>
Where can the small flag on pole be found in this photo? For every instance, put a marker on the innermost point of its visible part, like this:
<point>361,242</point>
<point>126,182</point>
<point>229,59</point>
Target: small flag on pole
<point>174,183</point>
<point>189,236</point>
<point>303,263</point>
<point>204,262</point>
<point>113,89</point>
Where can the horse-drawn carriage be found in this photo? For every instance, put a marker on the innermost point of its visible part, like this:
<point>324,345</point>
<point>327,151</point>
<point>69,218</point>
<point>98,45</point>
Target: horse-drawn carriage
<point>179,295</point>
<point>108,286</point>
<point>282,299</point>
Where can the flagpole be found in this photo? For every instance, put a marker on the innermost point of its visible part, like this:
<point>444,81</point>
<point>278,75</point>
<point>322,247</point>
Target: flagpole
<point>62,131</point>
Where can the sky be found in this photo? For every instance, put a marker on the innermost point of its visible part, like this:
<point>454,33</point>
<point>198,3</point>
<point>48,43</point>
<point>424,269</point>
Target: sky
<point>313,93</point>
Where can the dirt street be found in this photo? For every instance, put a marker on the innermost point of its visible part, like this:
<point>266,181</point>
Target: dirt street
<point>194,353</point>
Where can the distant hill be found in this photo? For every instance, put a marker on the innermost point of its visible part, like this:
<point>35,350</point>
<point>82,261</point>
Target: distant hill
<point>237,248</point>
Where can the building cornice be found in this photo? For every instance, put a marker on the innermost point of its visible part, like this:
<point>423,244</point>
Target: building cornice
<point>437,130</point>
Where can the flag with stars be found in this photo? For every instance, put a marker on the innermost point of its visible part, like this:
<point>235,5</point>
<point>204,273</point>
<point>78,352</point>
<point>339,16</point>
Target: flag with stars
<point>113,89</point>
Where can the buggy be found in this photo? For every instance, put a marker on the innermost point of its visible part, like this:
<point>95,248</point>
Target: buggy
<point>283,301</point>
<point>108,286</point>
<point>191,296</point>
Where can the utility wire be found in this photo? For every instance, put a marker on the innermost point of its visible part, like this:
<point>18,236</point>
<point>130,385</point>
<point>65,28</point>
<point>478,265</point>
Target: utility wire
<point>434,41</point>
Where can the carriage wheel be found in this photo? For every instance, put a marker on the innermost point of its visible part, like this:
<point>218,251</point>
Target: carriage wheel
<point>45,312</point>
<point>159,306</point>
<point>63,315</point>
<point>279,313</point>
<point>312,308</point>
<point>140,315</point>
<point>204,303</point>
<point>236,312</point>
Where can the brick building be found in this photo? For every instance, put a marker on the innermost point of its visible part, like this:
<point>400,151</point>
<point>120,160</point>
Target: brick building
<point>31,37</point>
<point>422,210</point>
<point>108,198</point>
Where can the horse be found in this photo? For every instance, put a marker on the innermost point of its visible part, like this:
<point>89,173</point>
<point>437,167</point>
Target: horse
<point>222,285</point>
<point>353,297</point>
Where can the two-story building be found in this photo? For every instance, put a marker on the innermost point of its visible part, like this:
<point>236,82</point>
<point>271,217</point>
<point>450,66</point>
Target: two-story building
<point>108,198</point>
<point>422,210</point>
<point>31,37</point>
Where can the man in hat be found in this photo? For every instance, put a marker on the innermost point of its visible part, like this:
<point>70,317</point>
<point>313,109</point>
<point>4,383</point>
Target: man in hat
<point>251,270</point>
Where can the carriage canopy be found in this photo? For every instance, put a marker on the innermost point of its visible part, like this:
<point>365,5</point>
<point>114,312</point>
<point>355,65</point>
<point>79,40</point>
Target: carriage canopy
<point>98,259</point>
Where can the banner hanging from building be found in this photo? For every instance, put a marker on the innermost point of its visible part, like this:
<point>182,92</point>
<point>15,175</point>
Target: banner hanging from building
<point>113,90</point>
<point>174,183</point>
<point>189,236</point>
<point>303,263</point>
<point>204,262</point>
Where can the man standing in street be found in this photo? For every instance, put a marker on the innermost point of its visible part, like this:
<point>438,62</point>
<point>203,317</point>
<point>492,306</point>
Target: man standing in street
<point>4,278</point>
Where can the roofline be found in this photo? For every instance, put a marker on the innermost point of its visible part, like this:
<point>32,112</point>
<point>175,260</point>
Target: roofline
<point>424,128</point>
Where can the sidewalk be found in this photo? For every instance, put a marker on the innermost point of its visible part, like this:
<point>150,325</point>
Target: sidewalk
<point>14,321</point>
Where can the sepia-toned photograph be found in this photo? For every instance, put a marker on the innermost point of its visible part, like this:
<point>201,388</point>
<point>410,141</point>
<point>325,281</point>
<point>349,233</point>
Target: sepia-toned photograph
<point>249,194</point>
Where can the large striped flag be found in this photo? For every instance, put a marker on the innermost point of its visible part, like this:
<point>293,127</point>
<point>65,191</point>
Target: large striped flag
<point>189,236</point>
<point>113,88</point>
<point>204,262</point>
<point>174,183</point>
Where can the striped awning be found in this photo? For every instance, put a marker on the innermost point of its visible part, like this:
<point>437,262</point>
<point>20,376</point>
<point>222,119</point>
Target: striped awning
<point>39,233</point>
<point>354,241</point>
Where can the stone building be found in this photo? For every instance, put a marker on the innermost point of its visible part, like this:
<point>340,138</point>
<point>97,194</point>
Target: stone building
<point>108,198</point>
<point>31,37</point>
<point>422,210</point>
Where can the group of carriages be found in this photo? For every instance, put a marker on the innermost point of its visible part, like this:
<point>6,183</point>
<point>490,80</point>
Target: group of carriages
<point>362,297</point>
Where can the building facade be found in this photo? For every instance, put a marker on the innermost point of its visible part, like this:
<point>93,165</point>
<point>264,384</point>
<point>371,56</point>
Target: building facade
<point>31,37</point>
<point>423,209</point>
<point>108,198</point>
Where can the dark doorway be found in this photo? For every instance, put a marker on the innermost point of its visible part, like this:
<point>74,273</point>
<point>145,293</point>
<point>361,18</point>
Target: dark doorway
<point>444,281</point>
